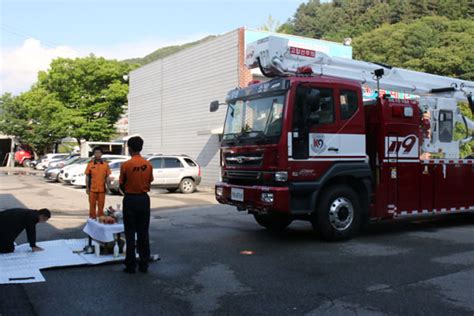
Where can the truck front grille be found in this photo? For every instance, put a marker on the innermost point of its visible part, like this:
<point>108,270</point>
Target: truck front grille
<point>242,177</point>
<point>245,159</point>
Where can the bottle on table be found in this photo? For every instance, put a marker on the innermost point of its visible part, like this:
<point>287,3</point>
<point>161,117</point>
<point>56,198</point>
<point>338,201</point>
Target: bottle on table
<point>97,249</point>
<point>116,250</point>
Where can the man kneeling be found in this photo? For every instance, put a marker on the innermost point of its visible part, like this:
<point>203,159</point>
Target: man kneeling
<point>14,221</point>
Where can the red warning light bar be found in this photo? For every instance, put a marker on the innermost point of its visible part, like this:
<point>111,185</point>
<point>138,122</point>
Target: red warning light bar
<point>302,52</point>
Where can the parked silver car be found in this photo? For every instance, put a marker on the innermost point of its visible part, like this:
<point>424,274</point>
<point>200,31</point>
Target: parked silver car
<point>52,173</point>
<point>171,172</point>
<point>46,159</point>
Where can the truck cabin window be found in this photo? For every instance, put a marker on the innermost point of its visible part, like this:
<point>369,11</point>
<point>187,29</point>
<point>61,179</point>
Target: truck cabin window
<point>254,119</point>
<point>445,126</point>
<point>314,107</point>
<point>348,101</point>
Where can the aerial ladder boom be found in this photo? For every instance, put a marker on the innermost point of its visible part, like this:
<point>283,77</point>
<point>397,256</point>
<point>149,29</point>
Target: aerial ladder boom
<point>276,56</point>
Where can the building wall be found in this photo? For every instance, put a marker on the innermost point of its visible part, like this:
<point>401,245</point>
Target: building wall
<point>169,101</point>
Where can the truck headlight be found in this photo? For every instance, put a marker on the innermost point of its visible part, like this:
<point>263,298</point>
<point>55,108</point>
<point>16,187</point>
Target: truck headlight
<point>219,191</point>
<point>267,197</point>
<point>281,176</point>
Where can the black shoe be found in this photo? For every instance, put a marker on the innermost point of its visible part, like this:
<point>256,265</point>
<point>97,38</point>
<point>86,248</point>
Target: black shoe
<point>143,269</point>
<point>129,270</point>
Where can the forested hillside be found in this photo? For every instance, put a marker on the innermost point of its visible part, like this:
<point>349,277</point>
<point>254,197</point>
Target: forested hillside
<point>436,36</point>
<point>163,52</point>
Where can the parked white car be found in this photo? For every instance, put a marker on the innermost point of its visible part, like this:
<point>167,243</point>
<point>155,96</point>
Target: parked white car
<point>65,175</point>
<point>80,179</point>
<point>75,175</point>
<point>46,159</point>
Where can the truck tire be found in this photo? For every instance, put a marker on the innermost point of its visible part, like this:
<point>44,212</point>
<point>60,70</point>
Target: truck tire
<point>26,163</point>
<point>337,216</point>
<point>273,222</point>
<point>187,186</point>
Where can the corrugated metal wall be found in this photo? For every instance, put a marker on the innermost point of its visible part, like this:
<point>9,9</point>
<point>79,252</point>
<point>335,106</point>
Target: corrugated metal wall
<point>169,101</point>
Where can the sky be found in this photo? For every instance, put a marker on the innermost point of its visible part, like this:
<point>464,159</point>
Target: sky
<point>35,32</point>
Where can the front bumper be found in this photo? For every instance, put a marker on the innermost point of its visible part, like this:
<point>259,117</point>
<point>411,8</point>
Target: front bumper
<point>114,185</point>
<point>52,174</point>
<point>79,180</point>
<point>252,198</point>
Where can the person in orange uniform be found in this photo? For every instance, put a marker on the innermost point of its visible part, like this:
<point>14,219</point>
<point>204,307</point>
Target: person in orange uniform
<point>97,175</point>
<point>136,176</point>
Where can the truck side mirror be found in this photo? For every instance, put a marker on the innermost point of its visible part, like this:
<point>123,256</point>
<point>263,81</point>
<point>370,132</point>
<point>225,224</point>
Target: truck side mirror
<point>214,106</point>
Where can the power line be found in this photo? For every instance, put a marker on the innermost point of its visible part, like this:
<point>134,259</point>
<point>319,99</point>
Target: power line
<point>20,33</point>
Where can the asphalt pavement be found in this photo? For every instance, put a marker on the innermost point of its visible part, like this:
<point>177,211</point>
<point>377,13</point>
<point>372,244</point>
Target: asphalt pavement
<point>217,261</point>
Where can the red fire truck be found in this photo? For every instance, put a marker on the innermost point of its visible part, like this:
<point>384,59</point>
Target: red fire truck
<point>306,145</point>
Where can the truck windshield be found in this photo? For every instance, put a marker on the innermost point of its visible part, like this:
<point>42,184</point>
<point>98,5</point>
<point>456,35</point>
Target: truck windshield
<point>253,119</point>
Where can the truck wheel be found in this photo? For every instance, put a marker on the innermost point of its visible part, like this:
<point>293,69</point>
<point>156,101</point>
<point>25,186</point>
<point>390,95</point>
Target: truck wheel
<point>187,186</point>
<point>171,190</point>
<point>273,222</point>
<point>26,163</point>
<point>338,214</point>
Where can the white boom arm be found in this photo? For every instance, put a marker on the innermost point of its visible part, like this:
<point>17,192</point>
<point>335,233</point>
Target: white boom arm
<point>277,56</point>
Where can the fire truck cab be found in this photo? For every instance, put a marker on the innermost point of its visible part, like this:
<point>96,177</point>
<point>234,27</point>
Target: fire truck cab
<point>307,146</point>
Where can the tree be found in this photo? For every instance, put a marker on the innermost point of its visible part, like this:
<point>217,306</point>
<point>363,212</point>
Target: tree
<point>36,117</point>
<point>431,44</point>
<point>270,25</point>
<point>351,18</point>
<point>91,90</point>
<point>13,116</point>
<point>48,119</point>
<point>81,98</point>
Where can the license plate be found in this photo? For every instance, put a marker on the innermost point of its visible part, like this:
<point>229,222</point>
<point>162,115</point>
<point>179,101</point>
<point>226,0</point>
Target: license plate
<point>237,194</point>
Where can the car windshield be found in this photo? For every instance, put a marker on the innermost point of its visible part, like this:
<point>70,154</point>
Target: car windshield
<point>115,164</point>
<point>254,118</point>
<point>72,160</point>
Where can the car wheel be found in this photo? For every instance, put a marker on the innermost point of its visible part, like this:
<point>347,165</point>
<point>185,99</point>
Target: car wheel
<point>187,186</point>
<point>273,222</point>
<point>171,190</point>
<point>337,216</point>
<point>26,163</point>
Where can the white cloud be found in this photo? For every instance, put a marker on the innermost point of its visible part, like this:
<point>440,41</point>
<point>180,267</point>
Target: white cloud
<point>19,66</point>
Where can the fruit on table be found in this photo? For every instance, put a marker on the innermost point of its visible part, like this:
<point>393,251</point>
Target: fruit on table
<point>109,220</point>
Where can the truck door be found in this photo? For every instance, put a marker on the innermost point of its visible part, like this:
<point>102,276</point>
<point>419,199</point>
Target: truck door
<point>451,176</point>
<point>328,126</point>
<point>314,123</point>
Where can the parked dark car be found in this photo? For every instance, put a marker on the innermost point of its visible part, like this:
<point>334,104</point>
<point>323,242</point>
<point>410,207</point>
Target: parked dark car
<point>52,173</point>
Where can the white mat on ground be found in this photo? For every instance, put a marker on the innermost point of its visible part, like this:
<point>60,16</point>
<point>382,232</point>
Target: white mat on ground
<point>23,266</point>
